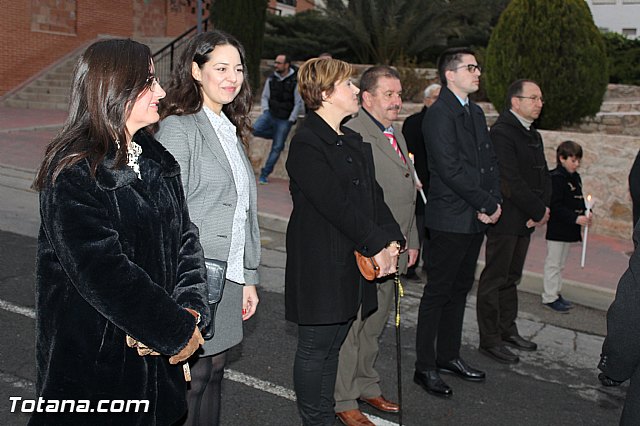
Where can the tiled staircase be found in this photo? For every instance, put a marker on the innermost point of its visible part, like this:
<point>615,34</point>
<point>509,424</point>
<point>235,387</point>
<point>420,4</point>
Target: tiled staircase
<point>51,88</point>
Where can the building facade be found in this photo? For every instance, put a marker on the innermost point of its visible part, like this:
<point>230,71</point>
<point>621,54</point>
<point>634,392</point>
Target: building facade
<point>619,16</point>
<point>37,33</point>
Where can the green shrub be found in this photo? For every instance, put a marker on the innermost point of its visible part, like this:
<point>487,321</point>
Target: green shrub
<point>624,59</point>
<point>555,43</point>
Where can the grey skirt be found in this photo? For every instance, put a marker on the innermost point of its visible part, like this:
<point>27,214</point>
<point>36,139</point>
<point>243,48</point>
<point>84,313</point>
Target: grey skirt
<point>228,321</point>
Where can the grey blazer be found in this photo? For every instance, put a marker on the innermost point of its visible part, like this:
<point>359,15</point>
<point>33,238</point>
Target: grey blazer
<point>210,188</point>
<point>396,179</point>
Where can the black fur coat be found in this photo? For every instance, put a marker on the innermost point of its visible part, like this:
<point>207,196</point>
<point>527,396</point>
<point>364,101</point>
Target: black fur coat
<point>116,255</point>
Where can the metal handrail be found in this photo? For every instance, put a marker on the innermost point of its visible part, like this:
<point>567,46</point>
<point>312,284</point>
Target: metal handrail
<point>169,52</point>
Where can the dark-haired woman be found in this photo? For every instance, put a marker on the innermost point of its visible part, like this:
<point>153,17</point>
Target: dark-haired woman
<point>205,122</point>
<point>120,272</point>
<point>338,207</point>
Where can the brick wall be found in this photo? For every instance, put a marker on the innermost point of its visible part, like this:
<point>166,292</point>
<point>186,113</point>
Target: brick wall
<point>37,33</point>
<point>149,18</point>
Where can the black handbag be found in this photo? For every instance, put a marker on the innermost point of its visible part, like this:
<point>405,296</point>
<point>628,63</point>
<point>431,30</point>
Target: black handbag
<point>216,276</point>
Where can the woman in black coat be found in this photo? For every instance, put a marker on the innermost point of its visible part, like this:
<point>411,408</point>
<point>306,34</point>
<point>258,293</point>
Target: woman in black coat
<point>337,208</point>
<point>120,271</point>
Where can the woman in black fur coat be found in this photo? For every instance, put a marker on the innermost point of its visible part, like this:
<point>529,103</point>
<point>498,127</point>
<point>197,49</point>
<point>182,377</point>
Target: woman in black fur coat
<point>120,271</point>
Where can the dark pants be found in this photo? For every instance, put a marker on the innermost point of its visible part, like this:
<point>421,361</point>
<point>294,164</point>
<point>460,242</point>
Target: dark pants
<point>314,371</point>
<point>450,272</point>
<point>497,305</point>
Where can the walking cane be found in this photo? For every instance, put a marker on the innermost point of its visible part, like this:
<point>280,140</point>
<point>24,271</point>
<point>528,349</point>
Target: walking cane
<point>399,292</point>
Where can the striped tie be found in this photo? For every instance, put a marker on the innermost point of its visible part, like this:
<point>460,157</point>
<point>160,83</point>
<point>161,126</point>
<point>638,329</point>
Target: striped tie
<point>394,144</point>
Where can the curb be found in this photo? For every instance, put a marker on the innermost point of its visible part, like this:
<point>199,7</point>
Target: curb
<point>532,282</point>
<point>581,293</point>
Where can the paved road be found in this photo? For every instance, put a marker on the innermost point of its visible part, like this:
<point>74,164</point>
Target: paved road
<point>556,385</point>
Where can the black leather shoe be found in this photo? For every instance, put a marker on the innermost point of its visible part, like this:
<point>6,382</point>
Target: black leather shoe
<point>460,368</point>
<point>431,382</point>
<point>518,342</point>
<point>501,354</point>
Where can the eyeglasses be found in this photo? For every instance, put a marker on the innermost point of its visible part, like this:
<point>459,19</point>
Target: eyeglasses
<point>278,63</point>
<point>154,82</point>
<point>470,67</point>
<point>533,99</point>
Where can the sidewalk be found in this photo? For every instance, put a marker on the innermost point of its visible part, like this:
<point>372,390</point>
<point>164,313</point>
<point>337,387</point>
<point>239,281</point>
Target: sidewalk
<point>24,134</point>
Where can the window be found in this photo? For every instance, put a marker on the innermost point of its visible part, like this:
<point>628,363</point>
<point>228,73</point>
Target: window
<point>287,2</point>
<point>629,32</point>
<point>604,1</point>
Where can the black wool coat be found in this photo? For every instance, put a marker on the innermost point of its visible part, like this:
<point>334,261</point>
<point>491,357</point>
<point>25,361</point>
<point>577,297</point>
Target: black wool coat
<point>634,188</point>
<point>338,207</point>
<point>525,182</point>
<point>462,164</point>
<point>116,255</point>
<point>567,203</point>
<point>412,132</point>
<point>620,358</point>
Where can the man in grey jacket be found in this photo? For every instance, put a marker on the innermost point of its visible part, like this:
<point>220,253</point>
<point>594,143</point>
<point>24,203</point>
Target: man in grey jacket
<point>380,97</point>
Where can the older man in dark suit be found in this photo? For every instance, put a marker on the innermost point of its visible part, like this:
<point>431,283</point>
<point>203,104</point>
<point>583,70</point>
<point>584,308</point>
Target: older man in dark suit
<point>380,91</point>
<point>526,188</point>
<point>464,196</point>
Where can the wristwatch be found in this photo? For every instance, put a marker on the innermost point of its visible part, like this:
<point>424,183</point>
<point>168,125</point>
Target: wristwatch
<point>395,244</point>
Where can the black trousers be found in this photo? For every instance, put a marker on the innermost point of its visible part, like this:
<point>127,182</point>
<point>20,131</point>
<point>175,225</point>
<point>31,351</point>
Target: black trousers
<point>314,371</point>
<point>450,272</point>
<point>497,305</point>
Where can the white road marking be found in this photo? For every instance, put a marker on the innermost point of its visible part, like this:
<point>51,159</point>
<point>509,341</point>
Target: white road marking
<point>233,375</point>
<point>17,382</point>
<point>21,310</point>
<point>282,392</point>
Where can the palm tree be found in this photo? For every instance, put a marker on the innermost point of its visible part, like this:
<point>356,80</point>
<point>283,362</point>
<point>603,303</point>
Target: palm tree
<point>385,31</point>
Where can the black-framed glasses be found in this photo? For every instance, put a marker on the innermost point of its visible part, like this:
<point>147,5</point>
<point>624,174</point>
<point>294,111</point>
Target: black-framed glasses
<point>533,99</point>
<point>470,67</point>
<point>153,82</point>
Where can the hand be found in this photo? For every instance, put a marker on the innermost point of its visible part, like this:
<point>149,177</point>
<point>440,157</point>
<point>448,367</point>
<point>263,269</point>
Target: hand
<point>387,260</point>
<point>249,301</point>
<point>192,345</point>
<point>496,215</point>
<point>607,381</point>
<point>545,218</point>
<point>418,185</point>
<point>413,257</point>
<point>530,223</point>
<point>583,220</point>
<point>484,218</point>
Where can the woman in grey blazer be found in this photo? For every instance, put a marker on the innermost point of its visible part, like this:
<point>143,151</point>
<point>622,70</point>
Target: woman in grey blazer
<point>205,122</point>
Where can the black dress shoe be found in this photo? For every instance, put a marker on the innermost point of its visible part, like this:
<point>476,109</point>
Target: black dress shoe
<point>519,343</point>
<point>460,368</point>
<point>501,354</point>
<point>431,382</point>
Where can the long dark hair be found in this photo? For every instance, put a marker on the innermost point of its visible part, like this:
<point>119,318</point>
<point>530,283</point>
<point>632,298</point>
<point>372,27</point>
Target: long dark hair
<point>107,80</point>
<point>184,93</point>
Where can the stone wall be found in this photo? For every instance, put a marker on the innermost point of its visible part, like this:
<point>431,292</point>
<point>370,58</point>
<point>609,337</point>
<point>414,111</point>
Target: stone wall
<point>604,170</point>
<point>605,167</point>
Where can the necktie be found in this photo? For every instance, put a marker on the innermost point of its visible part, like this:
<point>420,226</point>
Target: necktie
<point>394,143</point>
<point>467,109</point>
